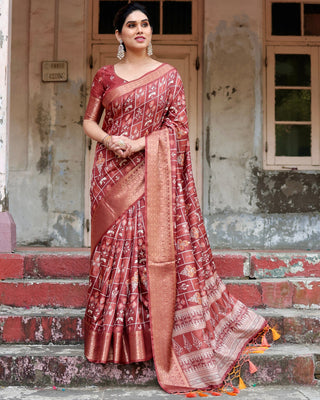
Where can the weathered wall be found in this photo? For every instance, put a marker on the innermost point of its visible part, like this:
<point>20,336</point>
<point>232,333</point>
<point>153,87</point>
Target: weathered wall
<point>244,205</point>
<point>4,100</point>
<point>47,151</point>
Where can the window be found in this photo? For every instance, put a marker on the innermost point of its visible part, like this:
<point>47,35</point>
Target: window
<point>292,95</point>
<point>169,17</point>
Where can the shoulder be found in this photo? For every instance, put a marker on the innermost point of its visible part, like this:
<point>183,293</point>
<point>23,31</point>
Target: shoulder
<point>172,75</point>
<point>171,70</point>
<point>105,71</point>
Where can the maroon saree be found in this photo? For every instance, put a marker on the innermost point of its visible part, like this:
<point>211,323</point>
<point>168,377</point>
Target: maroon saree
<point>153,288</point>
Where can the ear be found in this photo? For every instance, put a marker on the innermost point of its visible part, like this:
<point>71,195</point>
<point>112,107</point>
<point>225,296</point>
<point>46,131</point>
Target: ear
<point>118,35</point>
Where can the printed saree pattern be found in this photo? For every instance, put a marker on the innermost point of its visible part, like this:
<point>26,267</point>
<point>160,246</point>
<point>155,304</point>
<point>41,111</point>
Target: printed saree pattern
<point>153,287</point>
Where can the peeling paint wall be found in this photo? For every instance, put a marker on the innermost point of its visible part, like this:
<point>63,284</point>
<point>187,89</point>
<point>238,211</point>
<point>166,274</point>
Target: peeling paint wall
<point>47,159</point>
<point>4,80</point>
<point>244,205</point>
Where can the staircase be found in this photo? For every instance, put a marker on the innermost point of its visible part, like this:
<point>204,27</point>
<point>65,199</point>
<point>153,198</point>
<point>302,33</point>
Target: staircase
<point>43,295</point>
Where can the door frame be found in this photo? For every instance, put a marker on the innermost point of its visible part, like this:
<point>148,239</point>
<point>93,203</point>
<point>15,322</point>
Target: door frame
<point>196,39</point>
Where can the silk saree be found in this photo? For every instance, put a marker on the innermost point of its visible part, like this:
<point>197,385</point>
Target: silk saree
<point>153,288</point>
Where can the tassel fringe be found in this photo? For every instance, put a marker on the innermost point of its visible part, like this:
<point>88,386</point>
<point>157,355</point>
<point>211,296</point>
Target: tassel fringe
<point>242,385</point>
<point>275,334</point>
<point>258,345</point>
<point>252,367</point>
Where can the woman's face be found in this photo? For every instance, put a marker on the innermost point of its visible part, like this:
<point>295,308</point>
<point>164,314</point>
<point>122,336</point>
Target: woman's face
<point>136,31</point>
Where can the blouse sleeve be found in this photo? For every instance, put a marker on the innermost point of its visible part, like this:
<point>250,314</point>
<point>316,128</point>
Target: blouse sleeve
<point>95,108</point>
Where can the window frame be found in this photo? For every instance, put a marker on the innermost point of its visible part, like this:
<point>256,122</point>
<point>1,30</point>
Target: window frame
<point>168,38</point>
<point>296,39</point>
<point>289,45</point>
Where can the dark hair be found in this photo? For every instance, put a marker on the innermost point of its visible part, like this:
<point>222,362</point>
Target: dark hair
<point>124,11</point>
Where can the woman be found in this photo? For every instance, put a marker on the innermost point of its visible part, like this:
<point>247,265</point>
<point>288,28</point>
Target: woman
<point>154,291</point>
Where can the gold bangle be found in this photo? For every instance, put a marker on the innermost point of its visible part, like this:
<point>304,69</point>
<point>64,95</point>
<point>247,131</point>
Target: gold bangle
<point>107,137</point>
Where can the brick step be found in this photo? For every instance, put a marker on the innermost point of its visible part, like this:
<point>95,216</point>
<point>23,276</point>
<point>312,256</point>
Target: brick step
<point>277,293</point>
<point>45,263</point>
<point>64,326</point>
<point>69,293</point>
<point>66,366</point>
<point>260,293</point>
<point>41,325</point>
<point>64,263</point>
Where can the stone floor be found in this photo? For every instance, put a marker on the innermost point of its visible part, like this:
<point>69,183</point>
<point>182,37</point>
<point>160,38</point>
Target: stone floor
<point>134,393</point>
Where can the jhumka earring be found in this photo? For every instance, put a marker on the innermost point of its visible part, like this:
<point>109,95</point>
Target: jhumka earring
<point>149,49</point>
<point>121,53</point>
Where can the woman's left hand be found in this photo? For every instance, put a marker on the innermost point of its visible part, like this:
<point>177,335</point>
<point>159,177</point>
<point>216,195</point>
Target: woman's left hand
<point>128,146</point>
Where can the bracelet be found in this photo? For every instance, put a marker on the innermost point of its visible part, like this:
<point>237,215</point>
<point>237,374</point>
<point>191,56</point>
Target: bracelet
<point>107,137</point>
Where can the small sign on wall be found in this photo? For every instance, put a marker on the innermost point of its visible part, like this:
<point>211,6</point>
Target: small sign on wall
<point>54,71</point>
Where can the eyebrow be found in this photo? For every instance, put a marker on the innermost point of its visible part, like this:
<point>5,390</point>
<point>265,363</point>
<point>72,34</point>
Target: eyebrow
<point>143,20</point>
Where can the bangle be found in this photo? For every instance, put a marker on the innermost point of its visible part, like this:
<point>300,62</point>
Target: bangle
<point>107,137</point>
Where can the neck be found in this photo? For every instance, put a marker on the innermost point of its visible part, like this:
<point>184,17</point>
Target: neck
<point>137,58</point>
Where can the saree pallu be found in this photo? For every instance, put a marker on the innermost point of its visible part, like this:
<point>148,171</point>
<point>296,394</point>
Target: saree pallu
<point>153,288</point>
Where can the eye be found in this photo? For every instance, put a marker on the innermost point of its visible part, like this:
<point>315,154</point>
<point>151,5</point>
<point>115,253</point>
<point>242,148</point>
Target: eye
<point>132,25</point>
<point>145,24</point>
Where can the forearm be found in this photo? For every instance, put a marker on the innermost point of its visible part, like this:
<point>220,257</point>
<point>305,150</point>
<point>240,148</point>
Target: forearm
<point>93,130</point>
<point>140,144</point>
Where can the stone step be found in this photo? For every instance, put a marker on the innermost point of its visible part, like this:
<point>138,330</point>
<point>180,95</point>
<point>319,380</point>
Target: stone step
<point>66,366</point>
<point>64,263</point>
<point>64,326</point>
<point>260,293</point>
<point>154,392</point>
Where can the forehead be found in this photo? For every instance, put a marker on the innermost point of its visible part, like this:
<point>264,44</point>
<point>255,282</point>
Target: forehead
<point>136,16</point>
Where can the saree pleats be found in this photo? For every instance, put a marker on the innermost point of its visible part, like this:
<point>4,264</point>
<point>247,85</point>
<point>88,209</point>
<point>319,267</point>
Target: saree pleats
<point>117,317</point>
<point>153,289</point>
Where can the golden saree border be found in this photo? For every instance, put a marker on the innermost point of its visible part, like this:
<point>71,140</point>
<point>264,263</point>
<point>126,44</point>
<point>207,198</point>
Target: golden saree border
<point>116,347</point>
<point>116,201</point>
<point>94,109</point>
<point>131,85</point>
<point>161,260</point>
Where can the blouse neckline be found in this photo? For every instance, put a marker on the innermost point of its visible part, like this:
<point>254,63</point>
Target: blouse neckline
<point>145,74</point>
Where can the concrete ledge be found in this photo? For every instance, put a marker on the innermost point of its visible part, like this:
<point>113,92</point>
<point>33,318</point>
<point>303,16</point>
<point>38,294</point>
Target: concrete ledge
<point>264,231</point>
<point>276,392</point>
<point>66,365</point>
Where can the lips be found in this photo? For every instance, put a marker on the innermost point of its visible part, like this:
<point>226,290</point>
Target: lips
<point>140,39</point>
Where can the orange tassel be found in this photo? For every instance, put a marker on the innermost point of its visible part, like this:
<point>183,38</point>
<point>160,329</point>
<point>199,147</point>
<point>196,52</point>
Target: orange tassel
<point>191,394</point>
<point>275,335</point>
<point>264,342</point>
<point>201,394</point>
<point>215,393</point>
<point>236,390</point>
<point>252,368</point>
<point>231,393</point>
<point>242,385</point>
